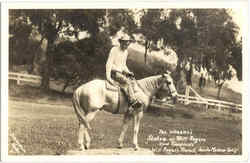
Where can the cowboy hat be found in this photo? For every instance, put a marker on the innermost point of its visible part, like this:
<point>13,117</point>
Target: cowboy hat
<point>124,39</point>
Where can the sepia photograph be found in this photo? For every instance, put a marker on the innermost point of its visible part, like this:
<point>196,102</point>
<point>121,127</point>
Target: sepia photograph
<point>125,81</point>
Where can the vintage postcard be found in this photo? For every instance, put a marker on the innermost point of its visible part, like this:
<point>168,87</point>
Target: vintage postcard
<point>104,81</point>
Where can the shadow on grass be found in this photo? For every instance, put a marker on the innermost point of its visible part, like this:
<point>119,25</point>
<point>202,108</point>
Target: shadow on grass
<point>36,94</point>
<point>177,112</point>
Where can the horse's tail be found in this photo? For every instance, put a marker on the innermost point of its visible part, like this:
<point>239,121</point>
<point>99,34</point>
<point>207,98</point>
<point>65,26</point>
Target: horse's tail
<point>80,111</point>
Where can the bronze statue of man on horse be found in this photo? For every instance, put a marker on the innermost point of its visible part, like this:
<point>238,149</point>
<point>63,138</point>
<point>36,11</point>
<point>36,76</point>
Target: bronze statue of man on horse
<point>96,95</point>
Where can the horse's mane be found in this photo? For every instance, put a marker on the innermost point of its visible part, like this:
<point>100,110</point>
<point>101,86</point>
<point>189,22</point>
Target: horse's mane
<point>149,84</point>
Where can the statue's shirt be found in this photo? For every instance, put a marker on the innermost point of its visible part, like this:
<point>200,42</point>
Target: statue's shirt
<point>116,61</point>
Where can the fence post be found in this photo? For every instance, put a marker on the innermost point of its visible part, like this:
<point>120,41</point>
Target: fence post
<point>206,105</point>
<point>219,107</point>
<point>187,91</point>
<point>18,79</point>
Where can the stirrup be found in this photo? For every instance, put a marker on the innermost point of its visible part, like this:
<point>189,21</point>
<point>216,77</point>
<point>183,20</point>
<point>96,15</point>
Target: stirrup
<point>136,104</point>
<point>130,110</point>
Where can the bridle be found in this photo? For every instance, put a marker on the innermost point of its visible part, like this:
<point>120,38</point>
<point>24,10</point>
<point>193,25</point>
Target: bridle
<point>168,83</point>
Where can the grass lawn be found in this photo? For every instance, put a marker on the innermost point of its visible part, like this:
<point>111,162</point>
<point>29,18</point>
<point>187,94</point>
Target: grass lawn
<point>47,125</point>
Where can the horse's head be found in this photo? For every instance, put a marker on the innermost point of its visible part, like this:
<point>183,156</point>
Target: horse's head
<point>168,85</point>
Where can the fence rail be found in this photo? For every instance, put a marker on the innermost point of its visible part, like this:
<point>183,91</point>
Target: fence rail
<point>209,102</point>
<point>197,99</point>
<point>19,77</point>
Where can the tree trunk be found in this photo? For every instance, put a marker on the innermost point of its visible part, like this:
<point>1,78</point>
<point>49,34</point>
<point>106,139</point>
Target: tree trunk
<point>176,75</point>
<point>147,44</point>
<point>64,87</point>
<point>179,78</point>
<point>66,84</point>
<point>47,67</point>
<point>219,90</point>
<point>35,60</point>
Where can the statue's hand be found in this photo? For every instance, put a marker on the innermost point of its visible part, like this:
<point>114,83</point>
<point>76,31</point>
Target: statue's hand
<point>131,74</point>
<point>128,74</point>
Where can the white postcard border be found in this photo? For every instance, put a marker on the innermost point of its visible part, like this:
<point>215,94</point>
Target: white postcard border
<point>46,5</point>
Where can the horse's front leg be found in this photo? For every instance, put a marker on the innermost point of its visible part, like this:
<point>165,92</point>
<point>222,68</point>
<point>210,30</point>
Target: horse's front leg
<point>137,118</point>
<point>125,124</point>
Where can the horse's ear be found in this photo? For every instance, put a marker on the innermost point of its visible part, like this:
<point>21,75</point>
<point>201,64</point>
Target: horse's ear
<point>167,72</point>
<point>164,75</point>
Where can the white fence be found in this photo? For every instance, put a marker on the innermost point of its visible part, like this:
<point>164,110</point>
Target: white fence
<point>19,77</point>
<point>209,102</point>
<point>197,99</point>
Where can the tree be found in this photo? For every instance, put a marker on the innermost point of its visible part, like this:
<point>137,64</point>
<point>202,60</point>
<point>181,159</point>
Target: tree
<point>74,63</point>
<point>236,58</point>
<point>208,36</point>
<point>19,31</point>
<point>50,23</point>
<point>91,51</point>
<point>218,37</point>
<point>120,18</point>
<point>150,22</point>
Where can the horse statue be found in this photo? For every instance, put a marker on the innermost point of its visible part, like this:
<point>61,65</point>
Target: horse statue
<point>96,95</point>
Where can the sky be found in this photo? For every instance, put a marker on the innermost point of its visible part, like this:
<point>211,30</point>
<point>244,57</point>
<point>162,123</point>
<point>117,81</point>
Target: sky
<point>238,18</point>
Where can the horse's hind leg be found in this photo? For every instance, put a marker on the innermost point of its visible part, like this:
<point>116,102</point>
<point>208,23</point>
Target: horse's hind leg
<point>90,116</point>
<point>125,124</point>
<point>87,139</point>
<point>81,136</point>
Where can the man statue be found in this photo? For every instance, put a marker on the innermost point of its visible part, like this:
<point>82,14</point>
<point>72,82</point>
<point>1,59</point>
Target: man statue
<point>117,72</point>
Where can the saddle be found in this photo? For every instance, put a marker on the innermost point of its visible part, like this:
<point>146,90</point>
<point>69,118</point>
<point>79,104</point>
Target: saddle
<point>111,87</point>
<point>120,95</point>
<point>116,88</point>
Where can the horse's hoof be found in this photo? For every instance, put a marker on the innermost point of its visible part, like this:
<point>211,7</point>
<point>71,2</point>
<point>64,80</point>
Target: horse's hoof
<point>120,146</point>
<point>81,148</point>
<point>136,148</point>
<point>86,146</point>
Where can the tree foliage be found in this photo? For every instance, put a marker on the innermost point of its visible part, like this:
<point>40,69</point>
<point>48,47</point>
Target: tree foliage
<point>118,18</point>
<point>50,23</point>
<point>208,36</point>
<point>74,63</point>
